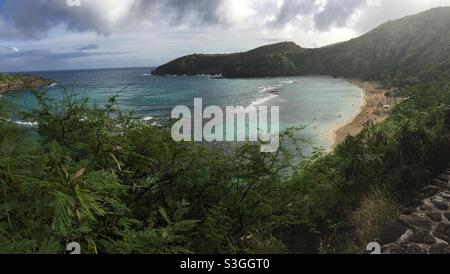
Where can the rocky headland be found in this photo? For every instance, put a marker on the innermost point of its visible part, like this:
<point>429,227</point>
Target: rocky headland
<point>13,82</point>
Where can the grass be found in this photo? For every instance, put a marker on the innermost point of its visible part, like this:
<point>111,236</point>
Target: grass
<point>376,210</point>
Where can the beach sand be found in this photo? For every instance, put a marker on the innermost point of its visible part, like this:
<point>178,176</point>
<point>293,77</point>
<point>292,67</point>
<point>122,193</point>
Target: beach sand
<point>373,109</point>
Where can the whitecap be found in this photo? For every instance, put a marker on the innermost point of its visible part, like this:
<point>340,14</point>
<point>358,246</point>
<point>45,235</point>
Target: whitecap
<point>148,118</point>
<point>266,89</point>
<point>27,124</point>
<point>287,82</point>
<point>264,100</point>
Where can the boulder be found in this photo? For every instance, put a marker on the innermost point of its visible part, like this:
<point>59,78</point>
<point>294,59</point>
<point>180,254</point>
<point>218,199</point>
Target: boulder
<point>430,191</point>
<point>447,215</point>
<point>405,248</point>
<point>416,222</point>
<point>440,203</point>
<point>441,248</point>
<point>391,232</point>
<point>426,205</point>
<point>443,232</point>
<point>435,216</point>
<point>422,237</point>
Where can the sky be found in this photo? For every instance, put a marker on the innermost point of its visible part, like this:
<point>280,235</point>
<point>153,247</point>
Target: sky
<point>83,34</point>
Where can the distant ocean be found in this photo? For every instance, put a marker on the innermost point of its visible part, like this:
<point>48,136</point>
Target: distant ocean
<point>322,103</point>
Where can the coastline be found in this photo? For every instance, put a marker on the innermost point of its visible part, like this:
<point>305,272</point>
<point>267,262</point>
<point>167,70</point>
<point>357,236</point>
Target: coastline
<point>374,108</point>
<point>22,82</point>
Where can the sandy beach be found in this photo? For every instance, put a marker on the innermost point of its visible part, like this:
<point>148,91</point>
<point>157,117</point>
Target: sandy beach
<point>374,108</point>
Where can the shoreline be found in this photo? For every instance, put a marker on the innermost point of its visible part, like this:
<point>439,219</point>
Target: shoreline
<point>18,82</point>
<point>374,108</point>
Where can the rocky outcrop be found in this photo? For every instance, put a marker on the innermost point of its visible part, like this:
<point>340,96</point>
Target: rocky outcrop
<point>425,229</point>
<point>16,82</point>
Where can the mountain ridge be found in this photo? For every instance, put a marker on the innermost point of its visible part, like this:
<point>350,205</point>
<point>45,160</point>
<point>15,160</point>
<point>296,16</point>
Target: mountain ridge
<point>415,46</point>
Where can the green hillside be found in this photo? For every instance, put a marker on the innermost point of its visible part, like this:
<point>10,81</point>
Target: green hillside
<point>13,82</point>
<point>412,47</point>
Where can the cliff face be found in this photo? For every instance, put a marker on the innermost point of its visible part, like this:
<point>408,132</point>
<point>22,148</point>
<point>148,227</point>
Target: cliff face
<point>10,83</point>
<point>415,46</point>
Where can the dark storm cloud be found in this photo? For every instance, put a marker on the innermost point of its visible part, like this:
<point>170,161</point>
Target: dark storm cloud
<point>25,19</point>
<point>33,19</point>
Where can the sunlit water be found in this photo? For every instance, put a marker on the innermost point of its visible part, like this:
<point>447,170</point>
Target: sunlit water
<point>321,103</point>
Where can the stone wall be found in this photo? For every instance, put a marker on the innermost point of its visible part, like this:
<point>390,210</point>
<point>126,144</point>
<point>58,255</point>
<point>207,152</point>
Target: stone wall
<point>425,229</point>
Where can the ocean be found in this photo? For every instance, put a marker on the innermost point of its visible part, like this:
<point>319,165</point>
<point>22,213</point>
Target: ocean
<point>320,103</point>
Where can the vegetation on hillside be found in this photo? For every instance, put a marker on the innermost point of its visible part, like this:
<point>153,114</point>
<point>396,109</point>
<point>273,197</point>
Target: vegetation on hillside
<point>412,49</point>
<point>13,82</point>
<point>116,185</point>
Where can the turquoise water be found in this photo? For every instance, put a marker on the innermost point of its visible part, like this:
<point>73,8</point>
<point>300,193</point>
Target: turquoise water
<point>322,103</point>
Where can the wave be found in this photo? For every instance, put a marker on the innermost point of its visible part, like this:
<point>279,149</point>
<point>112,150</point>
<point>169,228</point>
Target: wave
<point>151,120</point>
<point>263,100</point>
<point>148,118</point>
<point>146,74</point>
<point>267,89</point>
<point>52,85</point>
<point>26,124</point>
<point>287,82</point>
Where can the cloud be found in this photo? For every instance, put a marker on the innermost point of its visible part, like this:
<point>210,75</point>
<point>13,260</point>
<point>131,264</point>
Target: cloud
<point>34,19</point>
<point>12,49</point>
<point>45,55</point>
<point>336,13</point>
<point>88,47</point>
<point>8,50</point>
<point>178,11</point>
<point>24,19</point>
<point>291,9</point>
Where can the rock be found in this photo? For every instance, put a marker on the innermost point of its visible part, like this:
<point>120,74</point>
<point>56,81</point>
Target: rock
<point>441,248</point>
<point>440,203</point>
<point>404,248</point>
<point>430,191</point>
<point>442,231</point>
<point>416,222</point>
<point>426,205</point>
<point>409,210</point>
<point>447,215</point>
<point>435,216</point>
<point>21,82</point>
<point>422,237</point>
<point>391,232</point>
<point>425,229</point>
<point>439,183</point>
<point>444,178</point>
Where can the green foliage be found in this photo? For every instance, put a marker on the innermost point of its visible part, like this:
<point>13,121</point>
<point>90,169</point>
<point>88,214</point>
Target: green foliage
<point>117,185</point>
